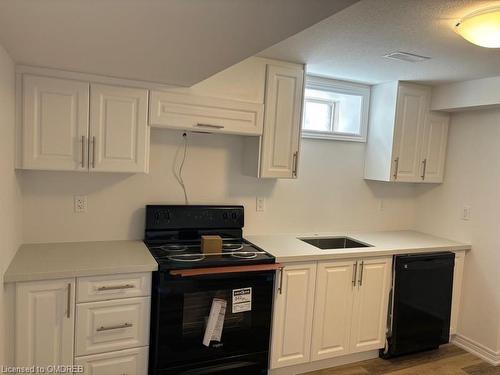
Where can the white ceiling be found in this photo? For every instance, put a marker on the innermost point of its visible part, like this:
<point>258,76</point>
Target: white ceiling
<point>350,44</point>
<point>165,41</point>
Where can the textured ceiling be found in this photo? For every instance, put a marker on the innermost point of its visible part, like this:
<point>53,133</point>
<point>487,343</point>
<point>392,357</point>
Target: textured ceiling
<point>350,44</point>
<point>167,41</point>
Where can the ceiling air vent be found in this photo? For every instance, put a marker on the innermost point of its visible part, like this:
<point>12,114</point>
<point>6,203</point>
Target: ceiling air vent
<point>406,56</point>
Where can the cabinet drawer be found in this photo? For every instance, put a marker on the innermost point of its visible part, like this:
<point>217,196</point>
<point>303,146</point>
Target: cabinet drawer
<point>99,288</point>
<point>130,362</point>
<point>112,325</point>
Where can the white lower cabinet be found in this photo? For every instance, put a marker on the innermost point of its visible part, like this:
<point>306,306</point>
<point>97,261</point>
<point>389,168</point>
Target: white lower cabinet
<point>107,337</point>
<point>129,362</point>
<point>371,301</point>
<point>457,290</point>
<point>293,313</point>
<point>44,322</point>
<point>328,309</point>
<point>333,308</point>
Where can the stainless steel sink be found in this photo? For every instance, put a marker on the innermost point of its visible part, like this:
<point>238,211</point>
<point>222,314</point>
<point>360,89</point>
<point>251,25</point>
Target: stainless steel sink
<point>327,243</point>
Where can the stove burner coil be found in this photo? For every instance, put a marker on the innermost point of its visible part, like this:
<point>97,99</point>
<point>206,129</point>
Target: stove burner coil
<point>173,248</point>
<point>186,257</point>
<point>231,247</point>
<point>244,254</point>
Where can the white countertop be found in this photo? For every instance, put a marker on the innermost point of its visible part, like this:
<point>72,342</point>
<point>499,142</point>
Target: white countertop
<point>72,259</point>
<point>288,247</point>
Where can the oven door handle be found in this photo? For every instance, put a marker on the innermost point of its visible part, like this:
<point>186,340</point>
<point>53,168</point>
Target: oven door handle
<point>222,270</point>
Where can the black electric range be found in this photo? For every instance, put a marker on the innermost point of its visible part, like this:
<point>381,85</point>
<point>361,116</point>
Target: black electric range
<point>183,300</point>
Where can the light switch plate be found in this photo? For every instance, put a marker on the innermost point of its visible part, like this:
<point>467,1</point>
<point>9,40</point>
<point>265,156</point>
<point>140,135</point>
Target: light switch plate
<point>80,203</point>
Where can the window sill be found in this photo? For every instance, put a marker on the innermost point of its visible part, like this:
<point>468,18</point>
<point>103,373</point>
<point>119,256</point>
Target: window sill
<point>334,137</point>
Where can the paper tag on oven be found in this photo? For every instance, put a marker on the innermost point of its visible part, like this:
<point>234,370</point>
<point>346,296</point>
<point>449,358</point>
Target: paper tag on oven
<point>242,300</point>
<point>215,321</point>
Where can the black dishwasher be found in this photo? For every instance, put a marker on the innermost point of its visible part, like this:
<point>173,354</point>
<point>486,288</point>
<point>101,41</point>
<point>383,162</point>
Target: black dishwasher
<point>419,317</point>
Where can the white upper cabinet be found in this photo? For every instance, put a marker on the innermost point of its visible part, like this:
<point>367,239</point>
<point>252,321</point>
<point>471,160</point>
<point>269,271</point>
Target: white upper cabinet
<point>283,115</point>
<point>276,153</point>
<point>406,143</point>
<point>411,111</point>
<point>434,147</point>
<point>67,127</point>
<point>55,124</point>
<point>205,114</point>
<point>45,322</point>
<point>119,133</point>
<point>229,102</point>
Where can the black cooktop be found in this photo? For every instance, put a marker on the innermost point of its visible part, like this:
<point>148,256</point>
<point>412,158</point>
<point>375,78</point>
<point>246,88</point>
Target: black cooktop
<point>173,236</point>
<point>172,256</point>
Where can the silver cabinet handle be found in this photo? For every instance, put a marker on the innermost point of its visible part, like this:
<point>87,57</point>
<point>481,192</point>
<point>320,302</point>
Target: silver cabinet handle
<point>424,162</point>
<point>110,328</point>
<point>361,273</point>
<point>396,167</point>
<point>280,286</point>
<point>68,302</point>
<point>93,152</point>
<point>83,151</point>
<point>354,273</point>
<point>117,287</point>
<point>294,164</point>
<point>210,126</point>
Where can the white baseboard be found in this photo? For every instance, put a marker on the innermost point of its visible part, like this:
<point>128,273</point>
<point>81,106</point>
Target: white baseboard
<point>476,348</point>
<point>325,363</point>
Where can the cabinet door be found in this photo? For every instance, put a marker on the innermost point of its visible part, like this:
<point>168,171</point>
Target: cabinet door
<point>119,132</point>
<point>205,114</point>
<point>371,299</point>
<point>434,147</point>
<point>129,362</point>
<point>282,118</point>
<point>45,322</point>
<point>293,314</point>
<point>411,111</point>
<point>55,124</point>
<point>332,309</point>
<point>457,290</point>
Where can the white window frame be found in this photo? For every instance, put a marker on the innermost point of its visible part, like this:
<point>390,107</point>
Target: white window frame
<point>342,87</point>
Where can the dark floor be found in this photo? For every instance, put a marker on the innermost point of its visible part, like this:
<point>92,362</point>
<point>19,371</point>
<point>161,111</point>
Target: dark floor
<point>448,360</point>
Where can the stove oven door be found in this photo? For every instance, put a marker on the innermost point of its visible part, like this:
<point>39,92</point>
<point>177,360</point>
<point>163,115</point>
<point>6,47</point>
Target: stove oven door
<point>184,337</point>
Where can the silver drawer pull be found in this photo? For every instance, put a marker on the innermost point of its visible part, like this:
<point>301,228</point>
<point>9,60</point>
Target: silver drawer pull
<point>110,328</point>
<point>117,287</point>
<point>210,126</point>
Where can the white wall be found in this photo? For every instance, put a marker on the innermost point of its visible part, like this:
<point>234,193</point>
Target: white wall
<point>10,200</point>
<point>329,195</point>
<point>472,178</point>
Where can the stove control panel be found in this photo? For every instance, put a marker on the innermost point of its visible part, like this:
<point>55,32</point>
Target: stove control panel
<point>167,217</point>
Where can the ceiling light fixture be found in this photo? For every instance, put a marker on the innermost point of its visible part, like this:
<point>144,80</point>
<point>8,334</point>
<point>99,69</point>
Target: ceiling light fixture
<point>406,56</point>
<point>481,27</point>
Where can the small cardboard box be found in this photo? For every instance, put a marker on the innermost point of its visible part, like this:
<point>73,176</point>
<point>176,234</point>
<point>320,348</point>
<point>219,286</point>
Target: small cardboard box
<point>211,244</point>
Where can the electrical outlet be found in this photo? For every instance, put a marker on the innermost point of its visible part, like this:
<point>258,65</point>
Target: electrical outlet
<point>260,204</point>
<point>466,213</point>
<point>80,203</point>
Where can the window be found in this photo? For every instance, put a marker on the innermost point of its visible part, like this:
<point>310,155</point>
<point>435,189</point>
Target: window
<point>335,110</point>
